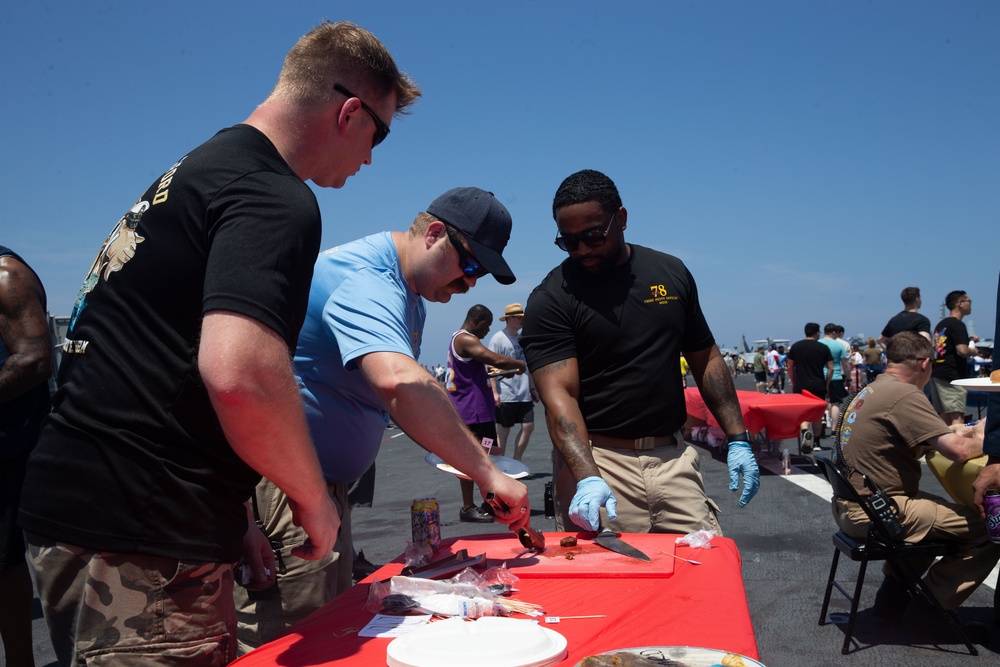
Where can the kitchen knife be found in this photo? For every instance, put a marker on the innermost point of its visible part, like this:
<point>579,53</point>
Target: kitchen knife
<point>609,539</point>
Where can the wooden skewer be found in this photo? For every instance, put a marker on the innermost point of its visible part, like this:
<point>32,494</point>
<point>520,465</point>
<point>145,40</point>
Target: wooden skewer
<point>686,560</point>
<point>519,602</point>
<point>518,606</point>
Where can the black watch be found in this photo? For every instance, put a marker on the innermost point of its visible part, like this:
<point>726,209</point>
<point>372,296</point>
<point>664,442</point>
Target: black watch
<point>739,437</point>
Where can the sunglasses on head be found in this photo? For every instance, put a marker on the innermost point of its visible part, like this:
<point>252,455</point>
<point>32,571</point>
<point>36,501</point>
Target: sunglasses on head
<point>381,129</point>
<point>470,265</point>
<point>592,238</point>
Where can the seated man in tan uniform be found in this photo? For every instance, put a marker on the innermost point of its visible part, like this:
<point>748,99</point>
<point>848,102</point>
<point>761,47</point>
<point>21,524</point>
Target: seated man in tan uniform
<point>886,429</point>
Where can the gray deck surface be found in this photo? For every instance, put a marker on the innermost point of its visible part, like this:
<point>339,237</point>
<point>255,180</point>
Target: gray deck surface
<point>784,537</point>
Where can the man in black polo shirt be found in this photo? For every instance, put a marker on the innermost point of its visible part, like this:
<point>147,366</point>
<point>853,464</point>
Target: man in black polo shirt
<point>603,335</point>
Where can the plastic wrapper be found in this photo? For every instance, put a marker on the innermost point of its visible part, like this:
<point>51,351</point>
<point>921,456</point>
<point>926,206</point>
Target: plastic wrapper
<point>417,555</point>
<point>711,435</point>
<point>699,539</point>
<point>500,580</point>
<point>455,605</point>
<point>466,595</point>
<point>715,437</point>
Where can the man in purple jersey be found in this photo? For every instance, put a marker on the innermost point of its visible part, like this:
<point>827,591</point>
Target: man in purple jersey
<point>469,389</point>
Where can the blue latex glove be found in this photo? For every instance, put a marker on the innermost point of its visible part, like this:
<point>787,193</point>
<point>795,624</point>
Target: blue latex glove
<point>592,493</point>
<point>741,462</point>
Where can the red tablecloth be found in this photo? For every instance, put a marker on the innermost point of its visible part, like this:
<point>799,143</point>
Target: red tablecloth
<point>780,414</point>
<point>697,605</point>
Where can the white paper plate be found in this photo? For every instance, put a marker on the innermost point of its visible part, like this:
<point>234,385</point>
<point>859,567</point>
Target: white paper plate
<point>491,641</point>
<point>977,384</point>
<point>690,655</point>
<point>508,466</point>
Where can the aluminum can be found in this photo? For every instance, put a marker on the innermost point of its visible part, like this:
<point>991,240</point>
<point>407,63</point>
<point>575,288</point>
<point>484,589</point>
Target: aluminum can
<point>991,502</point>
<point>550,504</point>
<point>425,521</point>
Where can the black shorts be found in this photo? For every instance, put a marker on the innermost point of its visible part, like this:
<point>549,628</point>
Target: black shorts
<point>509,414</point>
<point>11,535</point>
<point>484,430</point>
<point>819,391</point>
<point>760,376</point>
<point>837,392</point>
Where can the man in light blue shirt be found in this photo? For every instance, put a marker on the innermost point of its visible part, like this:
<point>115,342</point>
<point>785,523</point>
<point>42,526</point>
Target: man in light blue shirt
<point>837,391</point>
<point>356,361</point>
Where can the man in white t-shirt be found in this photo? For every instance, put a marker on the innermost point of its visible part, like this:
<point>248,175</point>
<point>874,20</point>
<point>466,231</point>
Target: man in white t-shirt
<point>774,370</point>
<point>514,395</point>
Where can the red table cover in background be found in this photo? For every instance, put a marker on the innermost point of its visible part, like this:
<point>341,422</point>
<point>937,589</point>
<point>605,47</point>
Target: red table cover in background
<point>780,414</point>
<point>697,605</point>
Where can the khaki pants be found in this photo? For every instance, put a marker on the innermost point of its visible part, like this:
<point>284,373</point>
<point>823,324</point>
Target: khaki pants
<point>953,578</point>
<point>658,490</point>
<point>305,585</point>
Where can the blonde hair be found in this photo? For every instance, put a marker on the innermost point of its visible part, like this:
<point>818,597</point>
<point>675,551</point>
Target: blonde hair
<point>420,223</point>
<point>347,54</point>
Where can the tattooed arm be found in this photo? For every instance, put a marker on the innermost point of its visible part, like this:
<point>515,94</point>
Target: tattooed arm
<point>716,387</point>
<point>558,385</point>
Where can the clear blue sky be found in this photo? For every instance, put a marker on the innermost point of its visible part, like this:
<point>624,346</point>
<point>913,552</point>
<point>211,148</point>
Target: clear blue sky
<point>806,159</point>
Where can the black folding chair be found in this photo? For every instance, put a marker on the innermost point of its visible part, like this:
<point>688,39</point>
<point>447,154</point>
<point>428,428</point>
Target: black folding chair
<point>879,546</point>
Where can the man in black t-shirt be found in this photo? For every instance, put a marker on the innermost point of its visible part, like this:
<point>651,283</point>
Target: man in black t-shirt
<point>176,389</point>
<point>952,346</point>
<point>603,335</point>
<point>810,367</point>
<point>908,319</point>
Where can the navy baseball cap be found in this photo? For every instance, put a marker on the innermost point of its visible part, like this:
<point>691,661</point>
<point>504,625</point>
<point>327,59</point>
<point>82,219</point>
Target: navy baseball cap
<point>484,221</point>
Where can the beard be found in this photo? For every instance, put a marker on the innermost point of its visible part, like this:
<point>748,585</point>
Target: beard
<point>591,264</point>
<point>459,286</point>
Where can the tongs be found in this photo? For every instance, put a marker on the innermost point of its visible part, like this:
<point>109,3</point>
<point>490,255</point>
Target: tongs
<point>528,536</point>
<point>445,567</point>
<point>531,538</point>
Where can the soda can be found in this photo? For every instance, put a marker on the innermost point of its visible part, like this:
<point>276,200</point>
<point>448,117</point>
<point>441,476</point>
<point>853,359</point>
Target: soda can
<point>991,502</point>
<point>425,521</point>
<point>550,504</point>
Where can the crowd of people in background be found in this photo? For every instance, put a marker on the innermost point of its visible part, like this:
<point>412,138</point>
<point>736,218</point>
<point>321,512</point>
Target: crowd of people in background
<point>856,363</point>
<point>865,355</point>
<point>437,371</point>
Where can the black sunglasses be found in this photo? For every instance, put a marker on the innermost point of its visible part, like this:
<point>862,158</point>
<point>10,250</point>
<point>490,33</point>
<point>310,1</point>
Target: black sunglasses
<point>381,129</point>
<point>470,265</point>
<point>593,238</point>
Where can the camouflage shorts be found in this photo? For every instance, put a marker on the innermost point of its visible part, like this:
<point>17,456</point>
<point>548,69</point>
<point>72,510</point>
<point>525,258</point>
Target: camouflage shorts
<point>127,609</point>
